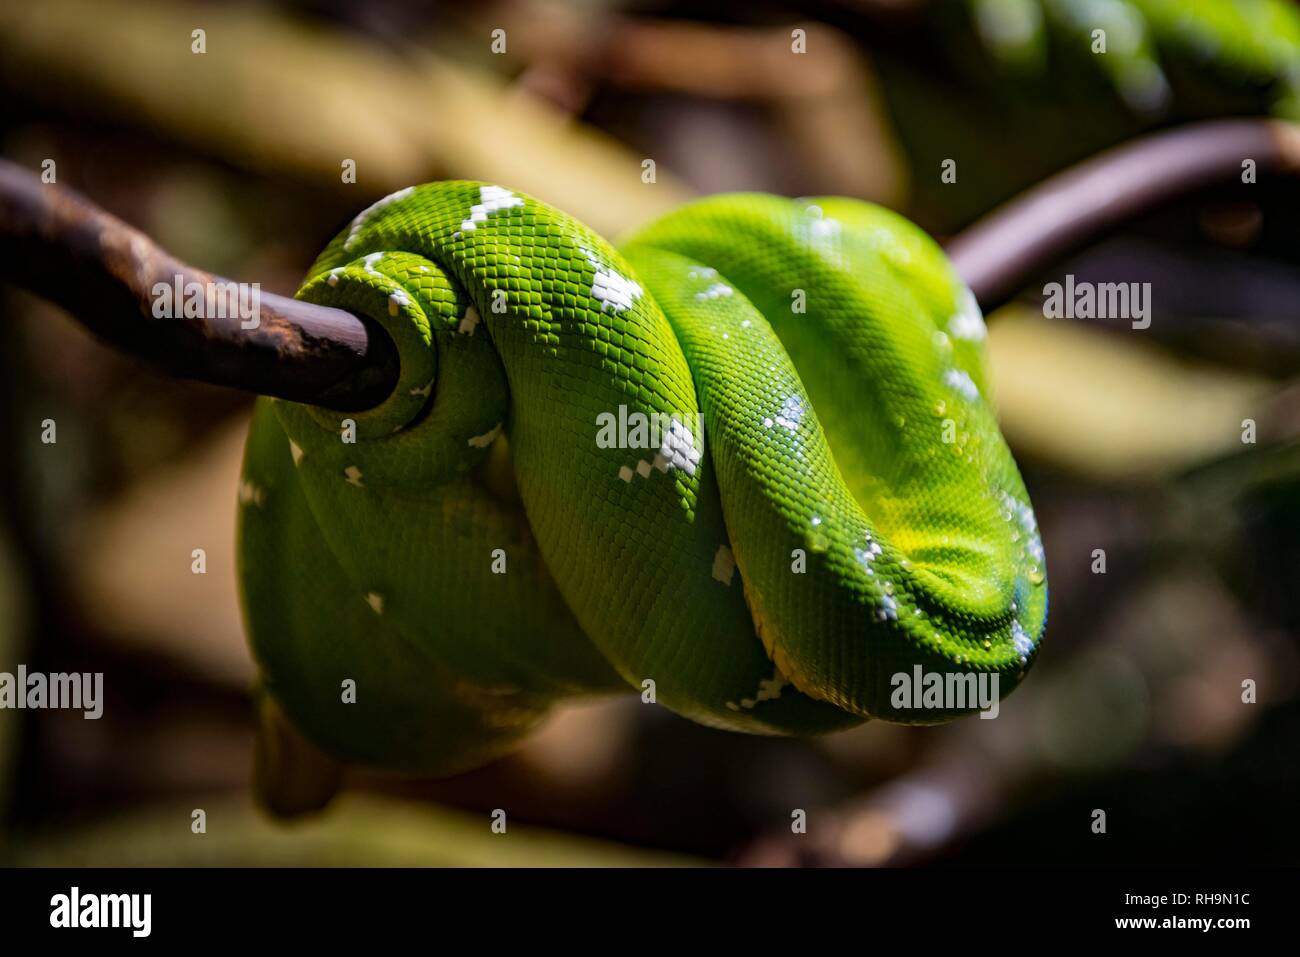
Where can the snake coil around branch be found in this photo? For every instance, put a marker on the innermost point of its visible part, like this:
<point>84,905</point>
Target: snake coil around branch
<point>827,505</point>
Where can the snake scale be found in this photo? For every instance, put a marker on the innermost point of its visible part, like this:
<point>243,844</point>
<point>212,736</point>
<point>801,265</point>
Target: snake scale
<point>821,499</point>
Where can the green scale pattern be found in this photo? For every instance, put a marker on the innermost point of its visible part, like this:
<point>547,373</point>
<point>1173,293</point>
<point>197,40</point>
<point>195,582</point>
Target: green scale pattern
<point>848,509</point>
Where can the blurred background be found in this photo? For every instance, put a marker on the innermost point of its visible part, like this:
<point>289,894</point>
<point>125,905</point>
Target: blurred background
<point>1130,442</point>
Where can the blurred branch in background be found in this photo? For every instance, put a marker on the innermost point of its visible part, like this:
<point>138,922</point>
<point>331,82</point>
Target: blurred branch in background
<point>356,832</point>
<point>1005,249</point>
<point>279,96</point>
<point>62,246</point>
<point>822,110</point>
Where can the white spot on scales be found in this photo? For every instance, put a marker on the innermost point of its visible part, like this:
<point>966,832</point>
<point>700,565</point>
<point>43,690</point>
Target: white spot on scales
<point>819,232</point>
<point>492,199</point>
<point>769,689</point>
<point>642,468</point>
<point>353,475</point>
<point>614,292</point>
<point>867,555</point>
<point>789,417</point>
<point>968,322</point>
<point>678,451</point>
<point>716,291</point>
<point>375,601</point>
<point>360,221</point>
<point>1023,643</point>
<point>487,438</point>
<point>295,451</point>
<point>959,380</point>
<point>469,322</point>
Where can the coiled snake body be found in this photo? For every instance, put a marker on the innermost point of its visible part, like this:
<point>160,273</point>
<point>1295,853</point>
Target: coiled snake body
<point>818,501</point>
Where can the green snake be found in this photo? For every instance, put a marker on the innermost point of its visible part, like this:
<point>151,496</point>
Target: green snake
<point>826,502</point>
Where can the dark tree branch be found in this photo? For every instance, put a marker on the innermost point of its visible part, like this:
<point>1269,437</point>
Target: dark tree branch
<point>1003,251</point>
<point>63,247</point>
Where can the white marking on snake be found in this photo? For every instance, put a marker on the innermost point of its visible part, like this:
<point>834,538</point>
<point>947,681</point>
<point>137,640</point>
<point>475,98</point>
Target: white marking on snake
<point>360,221</point>
<point>353,475</point>
<point>423,390</point>
<point>642,468</point>
<point>492,199</point>
<point>486,439</point>
<point>396,301</point>
<point>295,451</point>
<point>716,291</point>
<point>1024,644</point>
<point>333,277</point>
<point>820,233</point>
<point>468,322</point>
<point>250,494</point>
<point>824,229</point>
<point>613,291</point>
<point>867,555</point>
<point>678,451</point>
<point>791,413</point>
<point>888,610</point>
<point>968,322</point>
<point>368,263</point>
<point>959,380</point>
<point>375,601</point>
<point>1023,514</point>
<point>724,565</point>
<point>769,689</point>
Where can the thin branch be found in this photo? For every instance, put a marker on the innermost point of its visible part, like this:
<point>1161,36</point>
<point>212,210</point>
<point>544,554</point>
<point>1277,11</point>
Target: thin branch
<point>65,248</point>
<point>61,246</point>
<point>1003,251</point>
